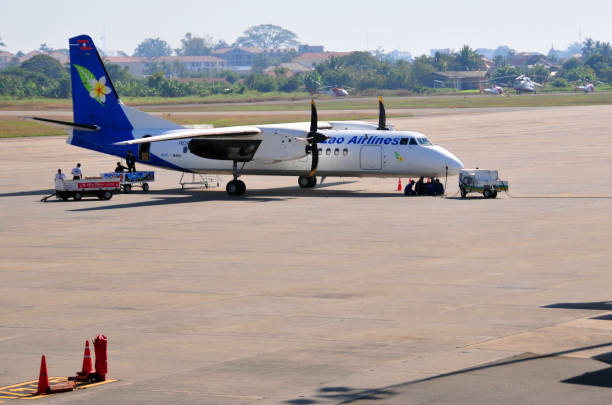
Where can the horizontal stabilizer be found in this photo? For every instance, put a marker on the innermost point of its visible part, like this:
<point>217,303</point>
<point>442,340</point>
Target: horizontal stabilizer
<point>73,125</point>
<point>227,132</point>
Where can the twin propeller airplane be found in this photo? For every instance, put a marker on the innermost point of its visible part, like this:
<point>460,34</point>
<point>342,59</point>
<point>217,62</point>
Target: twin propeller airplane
<point>304,149</point>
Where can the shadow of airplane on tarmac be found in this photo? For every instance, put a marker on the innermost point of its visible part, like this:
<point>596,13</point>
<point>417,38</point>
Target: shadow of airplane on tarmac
<point>179,196</point>
<point>343,395</point>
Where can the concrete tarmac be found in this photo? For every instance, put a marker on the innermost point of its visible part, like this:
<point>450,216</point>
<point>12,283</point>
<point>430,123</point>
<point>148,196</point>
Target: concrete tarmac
<point>347,292</point>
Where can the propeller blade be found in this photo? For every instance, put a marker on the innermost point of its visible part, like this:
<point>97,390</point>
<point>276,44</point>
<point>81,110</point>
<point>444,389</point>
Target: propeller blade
<point>314,151</point>
<point>382,116</point>
<point>313,117</point>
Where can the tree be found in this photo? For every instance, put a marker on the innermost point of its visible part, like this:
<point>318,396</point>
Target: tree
<point>468,59</point>
<point>2,44</point>
<point>192,46</point>
<point>45,65</point>
<point>312,81</point>
<point>268,36</point>
<point>153,48</point>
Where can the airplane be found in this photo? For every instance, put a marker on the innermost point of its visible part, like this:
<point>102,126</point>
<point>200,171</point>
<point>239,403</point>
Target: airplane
<point>587,88</point>
<point>524,84</point>
<point>304,149</point>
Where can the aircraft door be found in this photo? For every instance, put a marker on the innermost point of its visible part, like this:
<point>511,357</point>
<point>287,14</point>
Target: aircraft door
<point>144,150</point>
<point>371,157</point>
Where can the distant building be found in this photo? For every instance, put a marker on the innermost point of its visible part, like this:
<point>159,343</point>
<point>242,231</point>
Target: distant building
<point>293,68</point>
<point>396,55</point>
<point>310,49</point>
<point>312,59</point>
<point>136,66</point>
<point>460,80</point>
<point>444,51</point>
<point>196,64</point>
<point>238,58</point>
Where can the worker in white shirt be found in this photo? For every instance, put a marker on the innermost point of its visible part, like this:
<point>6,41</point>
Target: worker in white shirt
<point>59,175</point>
<point>76,172</point>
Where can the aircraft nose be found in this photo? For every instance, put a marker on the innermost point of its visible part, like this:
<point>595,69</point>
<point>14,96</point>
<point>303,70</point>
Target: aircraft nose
<point>453,164</point>
<point>451,161</point>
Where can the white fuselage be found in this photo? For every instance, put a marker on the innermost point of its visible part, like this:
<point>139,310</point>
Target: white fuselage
<point>354,153</point>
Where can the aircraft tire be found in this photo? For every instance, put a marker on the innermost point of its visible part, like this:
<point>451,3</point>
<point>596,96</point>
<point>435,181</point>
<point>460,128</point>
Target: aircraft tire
<point>145,187</point>
<point>235,187</point>
<point>494,195</point>
<point>463,192</point>
<point>304,181</point>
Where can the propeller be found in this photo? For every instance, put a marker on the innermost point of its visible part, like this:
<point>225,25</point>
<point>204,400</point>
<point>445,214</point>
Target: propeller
<point>382,116</point>
<point>313,138</point>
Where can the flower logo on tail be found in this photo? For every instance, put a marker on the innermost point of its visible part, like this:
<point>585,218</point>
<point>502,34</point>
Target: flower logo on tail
<point>99,89</point>
<point>96,87</point>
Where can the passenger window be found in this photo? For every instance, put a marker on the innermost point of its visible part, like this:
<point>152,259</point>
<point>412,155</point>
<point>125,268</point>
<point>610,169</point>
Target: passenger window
<point>185,149</point>
<point>336,152</point>
<point>344,152</point>
<point>320,151</point>
<point>412,141</point>
<point>328,151</point>
<point>404,141</point>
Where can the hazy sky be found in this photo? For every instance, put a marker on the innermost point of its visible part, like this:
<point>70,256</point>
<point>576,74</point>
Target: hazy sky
<point>337,24</point>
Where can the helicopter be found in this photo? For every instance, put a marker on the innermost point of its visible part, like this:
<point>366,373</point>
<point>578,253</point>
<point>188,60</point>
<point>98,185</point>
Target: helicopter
<point>525,84</point>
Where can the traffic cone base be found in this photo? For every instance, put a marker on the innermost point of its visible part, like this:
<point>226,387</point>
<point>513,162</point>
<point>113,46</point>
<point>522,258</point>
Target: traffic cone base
<point>399,184</point>
<point>43,378</point>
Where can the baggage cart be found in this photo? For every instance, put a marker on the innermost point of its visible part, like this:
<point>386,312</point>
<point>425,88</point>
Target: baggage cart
<point>129,180</point>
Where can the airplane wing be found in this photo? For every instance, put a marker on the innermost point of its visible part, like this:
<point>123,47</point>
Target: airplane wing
<point>217,133</point>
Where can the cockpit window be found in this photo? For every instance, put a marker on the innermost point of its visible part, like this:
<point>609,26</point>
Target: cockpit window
<point>424,141</point>
<point>404,141</point>
<point>412,141</point>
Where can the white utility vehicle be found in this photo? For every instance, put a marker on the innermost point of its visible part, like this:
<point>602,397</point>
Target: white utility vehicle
<point>77,189</point>
<point>482,181</point>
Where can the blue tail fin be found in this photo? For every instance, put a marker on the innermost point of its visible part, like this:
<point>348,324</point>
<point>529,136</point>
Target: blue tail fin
<point>94,98</point>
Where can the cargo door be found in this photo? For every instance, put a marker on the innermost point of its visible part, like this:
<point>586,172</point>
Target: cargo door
<point>371,158</point>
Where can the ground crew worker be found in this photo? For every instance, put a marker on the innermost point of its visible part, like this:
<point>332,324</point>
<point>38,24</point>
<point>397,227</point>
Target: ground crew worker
<point>59,175</point>
<point>419,188</point>
<point>409,188</point>
<point>76,172</point>
<point>130,161</point>
<point>120,168</point>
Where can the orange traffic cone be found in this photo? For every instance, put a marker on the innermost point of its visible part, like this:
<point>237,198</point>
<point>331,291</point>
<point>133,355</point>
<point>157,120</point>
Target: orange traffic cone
<point>43,379</point>
<point>399,184</point>
<point>87,365</point>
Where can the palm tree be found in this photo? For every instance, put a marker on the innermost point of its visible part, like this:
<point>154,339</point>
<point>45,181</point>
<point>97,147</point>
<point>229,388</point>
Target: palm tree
<point>468,59</point>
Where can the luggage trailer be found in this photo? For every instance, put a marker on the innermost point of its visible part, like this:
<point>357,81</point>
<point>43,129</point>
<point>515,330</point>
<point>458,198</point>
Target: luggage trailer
<point>77,189</point>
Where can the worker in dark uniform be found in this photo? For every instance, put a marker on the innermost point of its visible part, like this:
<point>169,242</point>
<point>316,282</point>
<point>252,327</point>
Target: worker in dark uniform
<point>130,161</point>
<point>419,188</point>
<point>120,168</point>
<point>409,190</point>
<point>439,187</point>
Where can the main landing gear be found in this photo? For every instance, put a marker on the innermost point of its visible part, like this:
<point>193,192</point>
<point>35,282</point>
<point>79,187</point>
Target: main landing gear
<point>236,187</point>
<point>307,181</point>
